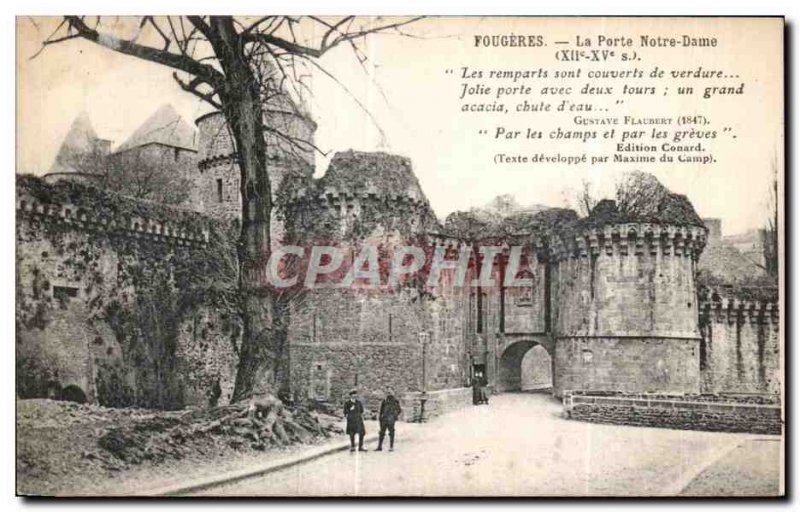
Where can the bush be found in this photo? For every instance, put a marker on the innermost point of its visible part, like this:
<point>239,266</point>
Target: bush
<point>36,378</point>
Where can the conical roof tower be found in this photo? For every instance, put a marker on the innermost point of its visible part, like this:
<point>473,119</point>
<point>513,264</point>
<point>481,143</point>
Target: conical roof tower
<point>165,127</point>
<point>82,153</point>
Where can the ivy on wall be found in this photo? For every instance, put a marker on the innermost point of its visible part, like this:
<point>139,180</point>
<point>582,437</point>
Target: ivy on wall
<point>142,289</point>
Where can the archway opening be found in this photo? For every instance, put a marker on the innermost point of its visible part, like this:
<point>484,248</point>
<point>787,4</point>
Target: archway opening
<point>525,365</point>
<point>73,393</point>
<point>536,371</point>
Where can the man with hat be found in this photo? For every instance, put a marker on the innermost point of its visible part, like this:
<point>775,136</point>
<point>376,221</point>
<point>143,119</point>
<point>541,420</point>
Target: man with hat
<point>390,411</point>
<point>353,411</point>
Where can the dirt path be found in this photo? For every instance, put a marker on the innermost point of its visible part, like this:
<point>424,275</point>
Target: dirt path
<point>518,445</point>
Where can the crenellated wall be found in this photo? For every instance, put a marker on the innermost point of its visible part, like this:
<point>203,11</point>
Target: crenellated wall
<point>135,226</point>
<point>347,214</point>
<point>740,347</point>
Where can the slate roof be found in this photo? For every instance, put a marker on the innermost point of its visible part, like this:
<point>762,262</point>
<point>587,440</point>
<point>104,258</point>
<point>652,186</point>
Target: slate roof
<point>165,127</point>
<point>81,140</point>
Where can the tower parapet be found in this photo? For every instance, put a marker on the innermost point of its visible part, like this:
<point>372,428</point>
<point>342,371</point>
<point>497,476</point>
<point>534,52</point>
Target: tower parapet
<point>359,195</point>
<point>630,237</point>
<point>733,310</point>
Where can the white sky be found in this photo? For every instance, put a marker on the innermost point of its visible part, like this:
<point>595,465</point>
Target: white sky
<point>418,111</point>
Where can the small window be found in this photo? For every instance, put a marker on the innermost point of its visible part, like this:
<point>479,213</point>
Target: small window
<point>219,190</point>
<point>64,293</point>
<point>177,154</point>
<point>524,298</point>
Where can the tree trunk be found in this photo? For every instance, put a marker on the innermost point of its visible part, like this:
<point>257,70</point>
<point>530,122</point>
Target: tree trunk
<point>241,103</point>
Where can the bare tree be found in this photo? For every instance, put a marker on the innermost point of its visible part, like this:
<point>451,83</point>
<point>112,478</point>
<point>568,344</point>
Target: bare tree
<point>149,177</point>
<point>769,258</point>
<point>239,65</point>
<point>769,236</point>
<point>639,194</point>
<point>504,205</point>
<point>586,200</point>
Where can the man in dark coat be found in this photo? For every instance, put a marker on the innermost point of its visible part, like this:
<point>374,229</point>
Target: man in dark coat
<point>390,411</point>
<point>484,391</point>
<point>353,411</point>
<point>479,391</point>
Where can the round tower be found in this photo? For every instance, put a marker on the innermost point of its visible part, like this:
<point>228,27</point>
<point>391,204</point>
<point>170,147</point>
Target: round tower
<point>625,307</point>
<point>219,178</point>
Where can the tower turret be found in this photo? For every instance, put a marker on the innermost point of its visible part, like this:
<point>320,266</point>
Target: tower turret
<point>289,139</point>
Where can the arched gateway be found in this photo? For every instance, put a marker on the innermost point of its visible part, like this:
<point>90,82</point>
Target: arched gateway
<point>525,364</point>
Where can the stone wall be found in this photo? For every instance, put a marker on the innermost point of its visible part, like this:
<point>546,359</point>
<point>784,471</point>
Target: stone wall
<point>525,306</point>
<point>217,177</point>
<point>111,298</point>
<point>336,334</point>
<point>327,371</point>
<point>642,285</point>
<point>448,354</point>
<point>374,335</point>
<point>632,364</point>
<point>754,414</point>
<point>436,403</point>
<point>740,347</point>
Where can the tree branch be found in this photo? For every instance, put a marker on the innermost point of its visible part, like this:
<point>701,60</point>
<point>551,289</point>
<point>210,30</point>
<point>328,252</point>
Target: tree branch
<point>192,87</point>
<point>181,62</point>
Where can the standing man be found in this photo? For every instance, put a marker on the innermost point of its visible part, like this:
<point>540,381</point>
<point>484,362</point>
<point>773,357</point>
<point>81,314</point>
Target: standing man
<point>484,390</point>
<point>353,411</point>
<point>390,411</point>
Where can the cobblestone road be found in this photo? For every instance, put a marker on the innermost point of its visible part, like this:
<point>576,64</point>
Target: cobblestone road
<point>517,445</point>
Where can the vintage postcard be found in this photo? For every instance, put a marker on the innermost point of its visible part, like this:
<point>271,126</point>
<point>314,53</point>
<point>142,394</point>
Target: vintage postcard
<point>400,256</point>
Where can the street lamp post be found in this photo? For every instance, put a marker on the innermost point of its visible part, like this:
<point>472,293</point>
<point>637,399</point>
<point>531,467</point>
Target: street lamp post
<point>361,302</point>
<point>424,337</point>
